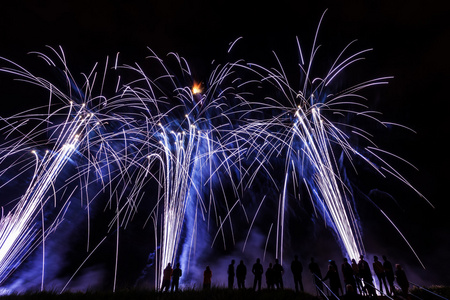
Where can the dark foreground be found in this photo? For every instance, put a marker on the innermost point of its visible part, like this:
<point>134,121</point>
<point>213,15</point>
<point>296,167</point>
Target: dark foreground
<point>435,292</point>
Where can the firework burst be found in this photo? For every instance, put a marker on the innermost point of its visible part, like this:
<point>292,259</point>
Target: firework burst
<point>203,146</point>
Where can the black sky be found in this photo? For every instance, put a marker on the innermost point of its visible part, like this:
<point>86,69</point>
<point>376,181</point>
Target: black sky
<point>411,41</point>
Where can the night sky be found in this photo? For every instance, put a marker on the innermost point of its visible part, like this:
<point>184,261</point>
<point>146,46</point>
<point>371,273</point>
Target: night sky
<point>411,42</point>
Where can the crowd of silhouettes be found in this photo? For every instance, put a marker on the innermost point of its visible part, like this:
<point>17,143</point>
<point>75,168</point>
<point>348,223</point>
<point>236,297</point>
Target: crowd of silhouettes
<point>357,277</point>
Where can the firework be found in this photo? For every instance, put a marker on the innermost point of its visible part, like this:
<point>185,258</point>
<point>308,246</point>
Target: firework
<point>310,124</point>
<point>66,133</point>
<point>202,145</point>
<point>188,143</point>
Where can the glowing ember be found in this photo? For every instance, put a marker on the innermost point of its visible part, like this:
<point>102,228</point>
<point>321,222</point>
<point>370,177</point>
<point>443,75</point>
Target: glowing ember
<point>196,88</point>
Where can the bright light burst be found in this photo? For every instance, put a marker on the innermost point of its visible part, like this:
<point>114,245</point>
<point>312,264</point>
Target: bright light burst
<point>196,88</point>
<point>202,146</point>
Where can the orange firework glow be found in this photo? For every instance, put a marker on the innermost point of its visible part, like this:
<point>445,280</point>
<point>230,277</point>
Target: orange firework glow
<point>196,88</point>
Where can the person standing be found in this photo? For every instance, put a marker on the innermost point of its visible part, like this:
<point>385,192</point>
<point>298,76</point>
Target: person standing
<point>347,272</point>
<point>207,275</point>
<point>241,273</point>
<point>257,270</point>
<point>366,275</point>
<point>317,276</point>
<point>278,272</point>
<point>176,274</point>
<point>381,275</point>
<point>269,277</point>
<point>297,269</point>
<point>334,265</point>
<point>231,274</point>
<point>402,280</point>
<point>335,283</point>
<point>389,271</point>
<point>357,277</point>
<point>167,274</point>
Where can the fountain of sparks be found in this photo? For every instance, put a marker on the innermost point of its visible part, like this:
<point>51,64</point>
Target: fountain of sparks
<point>180,152</point>
<point>189,149</point>
<point>328,187</point>
<point>313,143</point>
<point>16,229</point>
<point>18,236</point>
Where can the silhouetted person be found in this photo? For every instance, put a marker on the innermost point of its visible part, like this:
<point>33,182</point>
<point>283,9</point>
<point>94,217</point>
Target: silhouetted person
<point>347,272</point>
<point>167,274</point>
<point>176,274</point>
<point>297,269</point>
<point>241,272</point>
<point>335,283</point>
<point>333,264</point>
<point>257,270</point>
<point>379,271</point>
<point>357,277</point>
<point>366,275</point>
<point>207,274</point>
<point>402,280</point>
<point>269,277</point>
<point>317,275</point>
<point>231,274</point>
<point>389,271</point>
<point>278,274</point>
